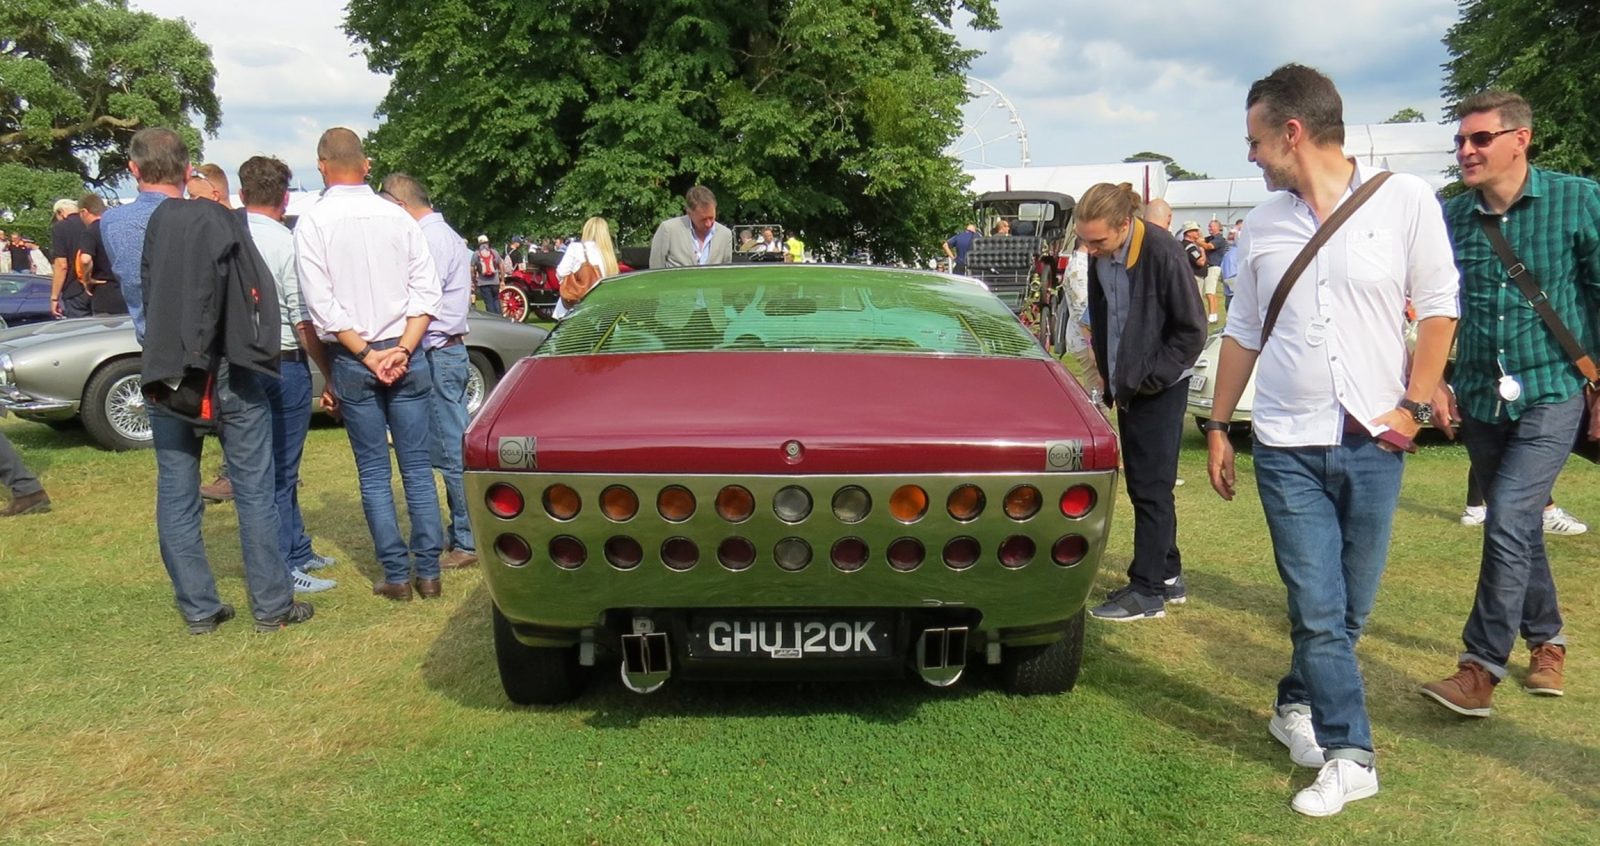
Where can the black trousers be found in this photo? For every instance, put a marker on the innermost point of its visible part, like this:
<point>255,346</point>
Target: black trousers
<point>108,300</point>
<point>1151,426</point>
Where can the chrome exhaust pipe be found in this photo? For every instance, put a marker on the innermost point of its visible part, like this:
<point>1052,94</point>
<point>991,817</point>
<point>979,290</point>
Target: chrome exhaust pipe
<point>942,655</point>
<point>646,661</point>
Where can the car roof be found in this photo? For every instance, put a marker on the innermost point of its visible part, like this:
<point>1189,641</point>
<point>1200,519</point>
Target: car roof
<point>1063,200</point>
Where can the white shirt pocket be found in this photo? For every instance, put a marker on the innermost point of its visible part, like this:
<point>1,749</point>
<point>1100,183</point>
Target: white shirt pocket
<point>1369,256</point>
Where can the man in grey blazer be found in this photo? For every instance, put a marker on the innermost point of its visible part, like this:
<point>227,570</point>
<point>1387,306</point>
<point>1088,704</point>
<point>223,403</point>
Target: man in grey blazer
<point>694,239</point>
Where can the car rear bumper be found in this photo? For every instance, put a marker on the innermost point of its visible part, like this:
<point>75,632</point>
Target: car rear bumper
<point>29,407</point>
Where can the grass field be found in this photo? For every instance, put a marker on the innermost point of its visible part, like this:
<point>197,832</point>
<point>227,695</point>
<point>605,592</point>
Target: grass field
<point>384,723</point>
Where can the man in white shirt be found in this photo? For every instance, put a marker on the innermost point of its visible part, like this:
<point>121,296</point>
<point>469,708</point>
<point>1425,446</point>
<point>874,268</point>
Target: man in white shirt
<point>445,344</point>
<point>1330,381</point>
<point>371,287</point>
<point>264,190</point>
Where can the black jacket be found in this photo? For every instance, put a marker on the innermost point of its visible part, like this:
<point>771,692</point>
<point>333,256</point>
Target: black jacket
<point>1166,327</point>
<point>208,295</point>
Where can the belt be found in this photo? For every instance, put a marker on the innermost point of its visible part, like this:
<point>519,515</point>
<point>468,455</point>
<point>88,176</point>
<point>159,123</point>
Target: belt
<point>293,355</point>
<point>1352,426</point>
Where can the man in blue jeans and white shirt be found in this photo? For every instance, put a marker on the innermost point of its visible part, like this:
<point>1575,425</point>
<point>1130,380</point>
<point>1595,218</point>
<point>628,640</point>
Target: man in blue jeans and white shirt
<point>1330,380</point>
<point>264,189</point>
<point>446,347</point>
<point>372,289</point>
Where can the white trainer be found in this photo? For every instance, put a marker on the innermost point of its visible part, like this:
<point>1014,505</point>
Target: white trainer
<point>1341,780</point>
<point>1474,515</point>
<point>306,583</point>
<point>1558,522</point>
<point>1293,729</point>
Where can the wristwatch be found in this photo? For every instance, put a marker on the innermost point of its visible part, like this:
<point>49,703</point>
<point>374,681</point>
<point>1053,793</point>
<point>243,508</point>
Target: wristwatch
<point>1215,426</point>
<point>365,351</point>
<point>1421,412</point>
<point>402,348</point>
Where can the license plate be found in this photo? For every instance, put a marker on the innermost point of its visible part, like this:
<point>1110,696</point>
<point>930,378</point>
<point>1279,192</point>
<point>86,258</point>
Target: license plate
<point>1197,383</point>
<point>790,638</point>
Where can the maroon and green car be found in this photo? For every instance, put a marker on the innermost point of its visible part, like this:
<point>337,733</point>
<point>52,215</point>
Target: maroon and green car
<point>788,471</point>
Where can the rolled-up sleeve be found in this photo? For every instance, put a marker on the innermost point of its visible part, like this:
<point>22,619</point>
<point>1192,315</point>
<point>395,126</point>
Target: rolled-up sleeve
<point>1432,281</point>
<point>314,268</point>
<point>1244,313</point>
<point>423,289</point>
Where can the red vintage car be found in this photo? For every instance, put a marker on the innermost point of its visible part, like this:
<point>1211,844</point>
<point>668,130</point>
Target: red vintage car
<point>534,288</point>
<point>791,471</point>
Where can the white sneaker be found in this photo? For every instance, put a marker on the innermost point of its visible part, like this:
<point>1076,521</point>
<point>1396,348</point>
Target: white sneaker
<point>1341,780</point>
<point>1211,318</point>
<point>306,583</point>
<point>1293,729</point>
<point>1558,522</point>
<point>1474,515</point>
<point>317,562</point>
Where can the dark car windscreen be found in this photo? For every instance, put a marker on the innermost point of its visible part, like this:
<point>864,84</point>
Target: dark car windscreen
<point>791,308</point>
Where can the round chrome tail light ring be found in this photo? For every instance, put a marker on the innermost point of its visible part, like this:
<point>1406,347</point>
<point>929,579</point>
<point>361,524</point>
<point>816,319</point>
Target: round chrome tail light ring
<point>736,554</point>
<point>568,552</point>
<point>965,503</point>
<point>623,552</point>
<point>792,554</point>
<point>1069,550</point>
<point>504,501</point>
<point>849,554</point>
<point>961,553</point>
<point>680,553</point>
<point>906,554</point>
<point>1077,501</point>
<point>792,504</point>
<point>1017,552</point>
<point>513,550</point>
<point>852,504</point>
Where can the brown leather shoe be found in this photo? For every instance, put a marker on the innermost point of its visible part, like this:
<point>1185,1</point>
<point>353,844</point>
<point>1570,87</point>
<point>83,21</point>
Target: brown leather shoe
<point>429,588</point>
<point>34,503</point>
<point>219,491</point>
<point>1467,692</point>
<point>457,559</point>
<point>398,591</point>
<point>1546,669</point>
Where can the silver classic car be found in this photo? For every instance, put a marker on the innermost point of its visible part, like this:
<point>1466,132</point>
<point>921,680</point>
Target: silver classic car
<point>87,370</point>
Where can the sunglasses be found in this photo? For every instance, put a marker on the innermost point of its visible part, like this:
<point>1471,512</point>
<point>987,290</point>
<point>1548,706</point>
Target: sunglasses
<point>1481,139</point>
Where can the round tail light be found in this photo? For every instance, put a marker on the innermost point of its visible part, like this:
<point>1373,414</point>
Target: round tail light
<point>619,504</point>
<point>735,504</point>
<point>961,553</point>
<point>852,504</point>
<point>906,554</point>
<point>1078,501</point>
<point>908,503</point>
<point>736,554</point>
<point>792,504</point>
<point>568,552</point>
<point>680,553</point>
<point>965,503</point>
<point>792,554</point>
<point>849,554</point>
<point>1070,550</point>
<point>513,550</point>
<point>1017,551</point>
<point>675,503</point>
<point>562,502</point>
<point>1022,502</point>
<point>504,501</point>
<point>623,553</point>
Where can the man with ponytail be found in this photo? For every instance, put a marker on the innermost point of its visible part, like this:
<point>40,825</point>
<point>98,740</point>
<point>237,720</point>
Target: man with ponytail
<point>1147,328</point>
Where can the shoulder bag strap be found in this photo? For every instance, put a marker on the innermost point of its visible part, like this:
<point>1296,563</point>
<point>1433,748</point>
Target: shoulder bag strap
<point>1528,284</point>
<point>1309,251</point>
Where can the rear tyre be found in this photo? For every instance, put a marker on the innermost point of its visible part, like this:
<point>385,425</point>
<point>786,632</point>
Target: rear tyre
<point>1051,668</point>
<point>481,379</point>
<point>536,675</point>
<point>113,409</point>
<point>513,303</point>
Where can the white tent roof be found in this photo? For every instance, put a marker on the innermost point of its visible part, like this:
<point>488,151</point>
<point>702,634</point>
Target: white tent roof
<point>1148,178</point>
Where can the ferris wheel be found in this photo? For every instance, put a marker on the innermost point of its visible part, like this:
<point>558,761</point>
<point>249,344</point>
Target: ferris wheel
<point>992,132</point>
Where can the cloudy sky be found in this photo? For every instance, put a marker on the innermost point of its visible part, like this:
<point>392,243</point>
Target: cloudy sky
<point>1092,82</point>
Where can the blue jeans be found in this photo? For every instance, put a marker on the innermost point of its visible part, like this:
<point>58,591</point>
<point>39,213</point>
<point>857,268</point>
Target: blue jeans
<point>1517,463</point>
<point>489,292</point>
<point>449,406</point>
<point>372,412</point>
<point>247,442</point>
<point>290,398</point>
<point>1329,510</point>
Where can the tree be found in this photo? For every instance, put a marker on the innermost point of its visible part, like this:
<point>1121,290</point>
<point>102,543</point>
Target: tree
<point>1175,171</point>
<point>1407,115</point>
<point>828,117</point>
<point>1545,51</point>
<point>79,77</point>
<point>28,195</point>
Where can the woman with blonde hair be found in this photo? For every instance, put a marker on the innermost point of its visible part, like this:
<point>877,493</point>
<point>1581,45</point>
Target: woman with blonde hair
<point>593,247</point>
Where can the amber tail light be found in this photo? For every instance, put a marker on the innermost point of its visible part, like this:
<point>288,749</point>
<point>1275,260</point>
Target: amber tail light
<point>965,503</point>
<point>562,502</point>
<point>675,503</point>
<point>1022,502</point>
<point>619,504</point>
<point>504,501</point>
<point>735,504</point>
<point>908,503</point>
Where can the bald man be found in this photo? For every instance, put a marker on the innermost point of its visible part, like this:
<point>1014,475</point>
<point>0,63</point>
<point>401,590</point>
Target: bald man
<point>372,288</point>
<point>1158,212</point>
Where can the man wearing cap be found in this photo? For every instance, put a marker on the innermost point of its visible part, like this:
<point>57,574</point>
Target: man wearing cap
<point>1194,247</point>
<point>486,275</point>
<point>67,295</point>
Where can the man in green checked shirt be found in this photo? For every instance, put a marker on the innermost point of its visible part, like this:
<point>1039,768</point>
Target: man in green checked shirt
<point>1518,396</point>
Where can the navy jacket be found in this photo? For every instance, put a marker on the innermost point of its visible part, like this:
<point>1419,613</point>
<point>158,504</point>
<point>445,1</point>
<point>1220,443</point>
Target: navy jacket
<point>1166,327</point>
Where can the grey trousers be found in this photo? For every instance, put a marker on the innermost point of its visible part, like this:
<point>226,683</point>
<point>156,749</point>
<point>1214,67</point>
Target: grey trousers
<point>13,473</point>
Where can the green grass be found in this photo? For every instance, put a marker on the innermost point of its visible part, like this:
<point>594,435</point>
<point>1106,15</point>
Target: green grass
<point>383,723</point>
